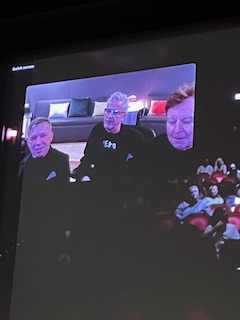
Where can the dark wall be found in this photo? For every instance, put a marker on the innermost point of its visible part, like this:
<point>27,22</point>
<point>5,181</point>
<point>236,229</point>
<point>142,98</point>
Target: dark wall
<point>54,25</point>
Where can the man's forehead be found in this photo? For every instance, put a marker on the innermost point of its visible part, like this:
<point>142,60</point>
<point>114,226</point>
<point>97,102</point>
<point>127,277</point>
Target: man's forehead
<point>40,126</point>
<point>186,108</point>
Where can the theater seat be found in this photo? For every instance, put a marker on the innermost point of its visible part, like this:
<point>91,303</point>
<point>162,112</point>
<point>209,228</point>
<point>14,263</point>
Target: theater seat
<point>237,209</point>
<point>219,176</point>
<point>229,179</point>
<point>234,218</point>
<point>200,220</point>
<point>203,176</point>
<point>224,205</point>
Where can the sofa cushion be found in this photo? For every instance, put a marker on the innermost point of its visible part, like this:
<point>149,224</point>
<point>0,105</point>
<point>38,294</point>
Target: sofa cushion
<point>99,107</point>
<point>79,107</point>
<point>42,107</point>
<point>158,107</point>
<point>58,110</point>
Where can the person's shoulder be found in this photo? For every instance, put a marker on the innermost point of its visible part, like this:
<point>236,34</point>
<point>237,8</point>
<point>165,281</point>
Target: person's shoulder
<point>159,140</point>
<point>59,154</point>
<point>125,128</point>
<point>25,159</point>
<point>98,126</point>
<point>131,132</point>
<point>96,129</point>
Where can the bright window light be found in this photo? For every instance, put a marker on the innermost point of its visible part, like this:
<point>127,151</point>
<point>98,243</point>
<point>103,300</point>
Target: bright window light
<point>237,96</point>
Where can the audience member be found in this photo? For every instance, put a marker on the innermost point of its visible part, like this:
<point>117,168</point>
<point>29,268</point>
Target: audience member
<point>206,167</point>
<point>234,172</point>
<point>233,199</point>
<point>44,164</point>
<point>213,195</point>
<point>193,203</point>
<point>220,166</point>
<point>219,229</point>
<point>111,147</point>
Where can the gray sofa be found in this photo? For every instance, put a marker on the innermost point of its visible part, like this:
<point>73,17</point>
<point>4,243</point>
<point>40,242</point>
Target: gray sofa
<point>69,128</point>
<point>77,125</point>
<point>146,85</point>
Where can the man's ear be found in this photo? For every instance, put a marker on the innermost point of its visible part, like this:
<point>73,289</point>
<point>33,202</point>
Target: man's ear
<point>123,116</point>
<point>52,135</point>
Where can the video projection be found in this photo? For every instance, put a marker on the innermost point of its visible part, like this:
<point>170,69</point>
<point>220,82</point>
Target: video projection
<point>128,169</point>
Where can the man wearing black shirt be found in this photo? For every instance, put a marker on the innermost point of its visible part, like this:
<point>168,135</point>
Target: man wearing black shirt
<point>111,148</point>
<point>171,156</point>
<point>44,164</point>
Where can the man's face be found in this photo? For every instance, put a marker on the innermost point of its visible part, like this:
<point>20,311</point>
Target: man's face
<point>39,139</point>
<point>194,191</point>
<point>180,124</point>
<point>113,116</point>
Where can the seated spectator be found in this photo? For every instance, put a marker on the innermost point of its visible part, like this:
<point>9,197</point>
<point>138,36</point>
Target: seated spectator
<point>206,167</point>
<point>213,196</point>
<point>220,166</point>
<point>193,203</point>
<point>220,230</point>
<point>233,199</point>
<point>234,172</point>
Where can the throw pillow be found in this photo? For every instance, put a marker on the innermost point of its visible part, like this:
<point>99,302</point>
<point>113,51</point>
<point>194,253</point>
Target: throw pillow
<point>79,107</point>
<point>99,108</point>
<point>158,107</point>
<point>58,110</point>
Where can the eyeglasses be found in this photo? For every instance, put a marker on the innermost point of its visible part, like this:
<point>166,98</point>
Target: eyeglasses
<point>115,113</point>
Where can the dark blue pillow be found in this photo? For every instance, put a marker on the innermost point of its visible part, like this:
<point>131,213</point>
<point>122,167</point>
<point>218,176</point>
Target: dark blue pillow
<point>79,107</point>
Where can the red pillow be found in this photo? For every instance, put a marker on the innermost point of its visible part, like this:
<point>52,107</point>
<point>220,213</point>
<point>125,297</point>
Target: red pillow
<point>158,107</point>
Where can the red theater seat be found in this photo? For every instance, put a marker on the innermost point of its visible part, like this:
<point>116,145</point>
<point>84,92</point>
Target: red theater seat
<point>229,179</point>
<point>200,220</point>
<point>237,209</point>
<point>165,220</point>
<point>224,205</point>
<point>219,176</point>
<point>203,176</point>
<point>234,218</point>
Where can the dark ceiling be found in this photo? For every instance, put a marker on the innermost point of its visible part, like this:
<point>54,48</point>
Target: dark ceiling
<point>30,27</point>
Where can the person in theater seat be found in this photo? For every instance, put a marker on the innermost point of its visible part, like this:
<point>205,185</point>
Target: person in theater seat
<point>193,203</point>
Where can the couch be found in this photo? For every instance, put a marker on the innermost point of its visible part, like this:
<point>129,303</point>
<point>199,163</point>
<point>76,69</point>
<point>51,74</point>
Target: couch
<point>153,116</point>
<point>86,99</point>
<point>73,119</point>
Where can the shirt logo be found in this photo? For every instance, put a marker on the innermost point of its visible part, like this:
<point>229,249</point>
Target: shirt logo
<point>109,145</point>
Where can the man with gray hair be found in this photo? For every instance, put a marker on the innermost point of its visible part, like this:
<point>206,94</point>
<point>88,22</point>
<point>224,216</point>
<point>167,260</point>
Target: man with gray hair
<point>44,163</point>
<point>111,145</point>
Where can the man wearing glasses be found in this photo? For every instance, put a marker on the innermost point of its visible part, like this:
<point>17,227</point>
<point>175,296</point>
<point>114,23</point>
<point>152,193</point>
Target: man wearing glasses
<point>111,147</point>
